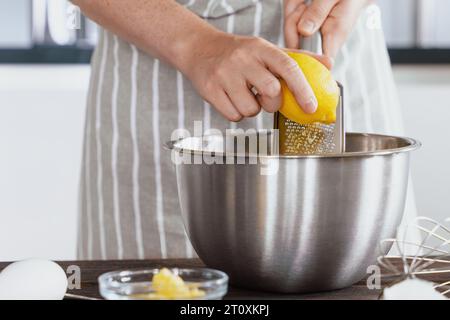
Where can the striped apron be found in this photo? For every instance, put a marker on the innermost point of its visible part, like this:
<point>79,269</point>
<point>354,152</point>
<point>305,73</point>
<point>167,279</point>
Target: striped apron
<point>128,195</point>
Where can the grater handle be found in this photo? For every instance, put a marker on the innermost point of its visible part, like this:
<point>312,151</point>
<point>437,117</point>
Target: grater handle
<point>312,43</point>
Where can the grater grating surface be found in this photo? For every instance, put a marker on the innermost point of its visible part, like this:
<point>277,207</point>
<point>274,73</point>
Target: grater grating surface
<point>306,139</point>
<point>316,138</point>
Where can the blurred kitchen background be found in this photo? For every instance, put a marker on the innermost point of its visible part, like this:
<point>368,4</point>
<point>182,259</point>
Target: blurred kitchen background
<point>44,76</point>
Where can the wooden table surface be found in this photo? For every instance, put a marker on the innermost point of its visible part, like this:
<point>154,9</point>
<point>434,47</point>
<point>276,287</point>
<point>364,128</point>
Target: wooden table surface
<point>90,270</point>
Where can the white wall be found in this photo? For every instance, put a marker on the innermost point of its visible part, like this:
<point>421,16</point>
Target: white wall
<point>41,124</point>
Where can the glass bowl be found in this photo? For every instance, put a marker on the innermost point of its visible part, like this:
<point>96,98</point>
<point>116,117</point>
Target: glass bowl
<point>132,284</point>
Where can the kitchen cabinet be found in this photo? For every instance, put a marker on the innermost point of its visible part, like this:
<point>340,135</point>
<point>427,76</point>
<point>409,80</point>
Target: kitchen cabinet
<point>26,23</point>
<point>15,24</point>
<point>41,129</point>
<point>425,96</point>
<point>416,23</point>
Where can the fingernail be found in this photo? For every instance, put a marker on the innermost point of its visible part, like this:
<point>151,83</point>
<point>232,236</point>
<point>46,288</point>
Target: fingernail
<point>311,105</point>
<point>308,26</point>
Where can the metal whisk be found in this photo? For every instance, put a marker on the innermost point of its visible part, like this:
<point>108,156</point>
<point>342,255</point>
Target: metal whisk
<point>430,256</point>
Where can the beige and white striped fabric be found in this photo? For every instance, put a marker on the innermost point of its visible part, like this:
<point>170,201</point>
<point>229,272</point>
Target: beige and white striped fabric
<point>128,195</point>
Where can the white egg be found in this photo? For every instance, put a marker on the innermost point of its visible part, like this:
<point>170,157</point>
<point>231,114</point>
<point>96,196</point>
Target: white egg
<point>33,279</point>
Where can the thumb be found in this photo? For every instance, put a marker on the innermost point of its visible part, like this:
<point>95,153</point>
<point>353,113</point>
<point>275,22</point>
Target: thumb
<point>314,16</point>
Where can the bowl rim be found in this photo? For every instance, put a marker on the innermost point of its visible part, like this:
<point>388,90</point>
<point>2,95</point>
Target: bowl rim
<point>412,144</point>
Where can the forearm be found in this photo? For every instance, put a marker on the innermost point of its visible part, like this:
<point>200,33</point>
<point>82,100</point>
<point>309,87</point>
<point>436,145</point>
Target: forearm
<point>163,29</point>
<point>222,67</point>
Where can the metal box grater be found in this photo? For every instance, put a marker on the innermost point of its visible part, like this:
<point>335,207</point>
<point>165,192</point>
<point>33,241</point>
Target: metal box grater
<point>316,138</point>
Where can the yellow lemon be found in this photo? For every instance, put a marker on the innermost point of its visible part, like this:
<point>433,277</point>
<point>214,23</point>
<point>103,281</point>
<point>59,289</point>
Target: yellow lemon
<point>325,89</point>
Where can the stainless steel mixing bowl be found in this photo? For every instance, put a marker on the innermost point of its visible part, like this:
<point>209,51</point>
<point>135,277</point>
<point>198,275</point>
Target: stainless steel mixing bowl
<point>313,225</point>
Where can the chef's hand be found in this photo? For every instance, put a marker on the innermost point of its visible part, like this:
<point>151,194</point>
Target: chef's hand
<point>223,67</point>
<point>335,19</point>
<point>224,70</point>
